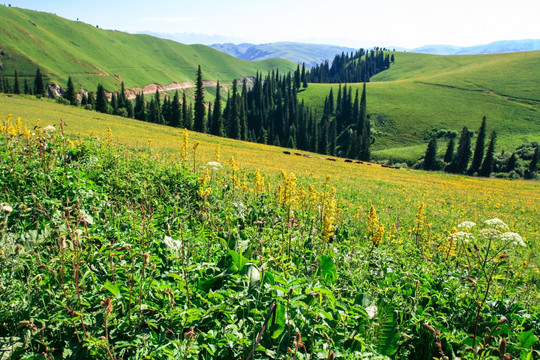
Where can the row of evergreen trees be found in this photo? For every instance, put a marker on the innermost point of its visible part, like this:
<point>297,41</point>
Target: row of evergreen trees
<point>267,111</point>
<point>38,87</point>
<point>352,67</point>
<point>459,161</point>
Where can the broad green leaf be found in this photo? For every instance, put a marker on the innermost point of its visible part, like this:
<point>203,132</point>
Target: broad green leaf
<point>113,289</point>
<point>527,339</point>
<point>327,269</point>
<point>279,325</point>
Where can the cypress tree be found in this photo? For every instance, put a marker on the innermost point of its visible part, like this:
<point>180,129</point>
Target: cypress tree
<point>303,77</point>
<point>129,109</point>
<point>217,120</point>
<point>16,85</point>
<point>364,132</point>
<point>7,86</point>
<point>449,154</point>
<point>487,166</point>
<point>154,112</point>
<point>92,100</point>
<point>186,115</point>
<point>102,104</point>
<point>199,124</point>
<point>27,88</point>
<point>1,83</point>
<point>114,103</point>
<point>176,111</point>
<point>209,116</point>
<point>512,162</point>
<point>463,154</point>
<point>234,131</point>
<point>122,98</point>
<point>479,148</point>
<point>70,94</point>
<point>39,84</point>
<point>430,159</point>
<point>189,116</point>
<point>297,77</point>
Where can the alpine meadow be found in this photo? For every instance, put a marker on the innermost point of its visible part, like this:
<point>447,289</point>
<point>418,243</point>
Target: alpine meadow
<point>169,201</point>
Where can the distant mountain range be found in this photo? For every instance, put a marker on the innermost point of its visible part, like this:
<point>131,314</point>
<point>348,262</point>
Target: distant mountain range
<point>313,54</point>
<point>503,46</point>
<point>310,54</point>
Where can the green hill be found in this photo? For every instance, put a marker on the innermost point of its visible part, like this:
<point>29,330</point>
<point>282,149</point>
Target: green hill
<point>421,94</point>
<point>91,55</point>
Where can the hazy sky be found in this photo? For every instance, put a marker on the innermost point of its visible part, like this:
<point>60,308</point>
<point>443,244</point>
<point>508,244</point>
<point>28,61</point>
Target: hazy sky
<point>406,23</point>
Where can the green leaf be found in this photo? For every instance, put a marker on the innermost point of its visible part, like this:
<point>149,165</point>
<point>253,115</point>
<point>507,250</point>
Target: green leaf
<point>279,324</point>
<point>113,289</point>
<point>327,269</point>
<point>238,260</point>
<point>527,339</point>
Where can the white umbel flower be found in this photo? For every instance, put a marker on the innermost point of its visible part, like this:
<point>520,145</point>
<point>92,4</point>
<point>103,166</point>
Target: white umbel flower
<point>213,165</point>
<point>496,223</point>
<point>513,237</point>
<point>467,224</point>
<point>7,209</point>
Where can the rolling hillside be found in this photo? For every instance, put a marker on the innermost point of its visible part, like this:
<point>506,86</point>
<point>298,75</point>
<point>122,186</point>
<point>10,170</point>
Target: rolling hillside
<point>424,93</point>
<point>91,55</point>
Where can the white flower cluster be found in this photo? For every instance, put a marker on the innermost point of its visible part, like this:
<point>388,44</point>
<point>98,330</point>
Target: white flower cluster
<point>6,208</point>
<point>213,165</point>
<point>513,237</point>
<point>463,236</point>
<point>467,224</point>
<point>172,244</point>
<point>496,223</point>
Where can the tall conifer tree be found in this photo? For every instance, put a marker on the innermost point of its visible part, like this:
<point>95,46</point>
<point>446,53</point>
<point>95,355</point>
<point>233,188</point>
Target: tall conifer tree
<point>102,104</point>
<point>463,154</point>
<point>16,85</point>
<point>199,123</point>
<point>479,148</point>
<point>234,131</point>
<point>449,154</point>
<point>217,120</point>
<point>430,159</point>
<point>70,94</point>
<point>487,166</point>
<point>39,84</point>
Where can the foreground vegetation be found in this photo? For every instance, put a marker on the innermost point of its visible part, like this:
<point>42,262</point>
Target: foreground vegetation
<point>113,251</point>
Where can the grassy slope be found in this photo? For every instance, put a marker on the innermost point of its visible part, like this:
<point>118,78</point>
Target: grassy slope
<point>424,92</point>
<point>62,47</point>
<point>394,192</point>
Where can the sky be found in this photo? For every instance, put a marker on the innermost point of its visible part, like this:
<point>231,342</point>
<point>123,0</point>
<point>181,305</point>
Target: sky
<point>384,23</point>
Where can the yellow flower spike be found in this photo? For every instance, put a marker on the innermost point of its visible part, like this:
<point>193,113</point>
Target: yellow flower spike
<point>109,134</point>
<point>218,153</point>
<point>329,216</point>
<point>185,145</point>
<point>19,125</point>
<point>259,182</point>
<point>196,145</point>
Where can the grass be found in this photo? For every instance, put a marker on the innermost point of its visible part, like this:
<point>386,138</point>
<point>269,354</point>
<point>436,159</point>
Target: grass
<point>363,183</point>
<point>144,253</point>
<point>425,92</point>
<point>92,55</point>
